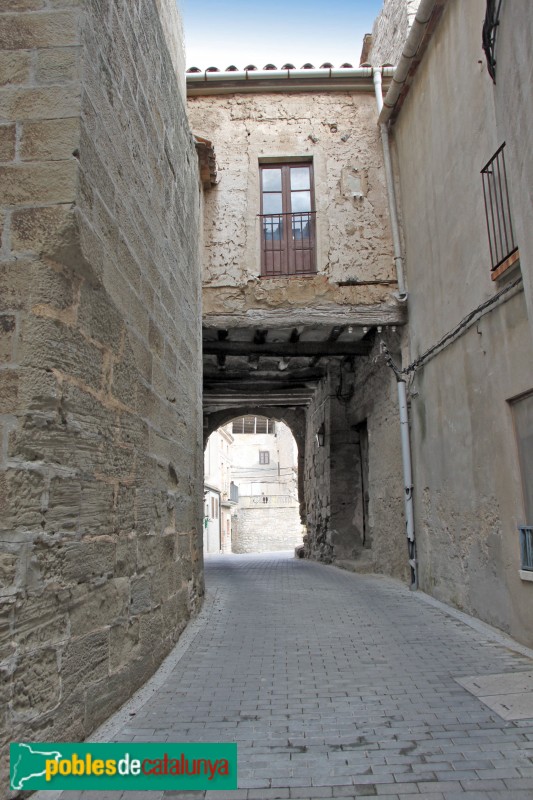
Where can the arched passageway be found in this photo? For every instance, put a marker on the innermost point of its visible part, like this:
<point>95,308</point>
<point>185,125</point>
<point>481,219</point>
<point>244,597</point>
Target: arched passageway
<point>251,502</point>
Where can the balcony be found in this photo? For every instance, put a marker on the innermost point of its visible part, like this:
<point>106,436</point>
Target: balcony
<point>503,248</point>
<point>288,244</point>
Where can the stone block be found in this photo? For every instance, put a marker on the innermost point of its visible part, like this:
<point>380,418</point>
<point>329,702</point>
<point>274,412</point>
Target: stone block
<point>30,229</point>
<point>99,318</point>
<point>108,694</point>
<point>21,498</point>
<point>8,570</point>
<point>36,686</point>
<point>140,594</point>
<point>7,336</point>
<point>14,67</point>
<point>49,139</point>
<point>125,379</point>
<point>126,555</point>
<point>49,344</point>
<point>84,661</point>
<point>26,5</point>
<point>40,620</point>
<point>7,142</point>
<point>75,561</point>
<point>101,606</point>
<point>48,29</point>
<point>58,65</point>
<point>64,503</point>
<point>45,102</point>
<point>37,390</point>
<point>13,284</point>
<point>53,182</point>
<point>123,644</point>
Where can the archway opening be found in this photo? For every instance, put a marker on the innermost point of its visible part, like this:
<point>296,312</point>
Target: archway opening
<point>251,498</point>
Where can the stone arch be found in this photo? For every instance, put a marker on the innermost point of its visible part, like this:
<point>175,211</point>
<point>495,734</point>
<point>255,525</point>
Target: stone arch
<point>294,418</point>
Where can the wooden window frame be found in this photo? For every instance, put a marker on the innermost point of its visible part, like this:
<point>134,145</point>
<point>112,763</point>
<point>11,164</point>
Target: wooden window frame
<point>288,256</point>
<point>264,457</point>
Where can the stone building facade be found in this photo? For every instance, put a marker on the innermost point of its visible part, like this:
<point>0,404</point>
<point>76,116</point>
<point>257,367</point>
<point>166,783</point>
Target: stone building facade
<point>100,384</point>
<point>302,344</point>
<point>470,327</point>
<point>265,464</point>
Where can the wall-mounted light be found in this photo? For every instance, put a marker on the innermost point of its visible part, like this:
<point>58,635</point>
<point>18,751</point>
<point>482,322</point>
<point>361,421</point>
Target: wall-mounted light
<point>321,435</point>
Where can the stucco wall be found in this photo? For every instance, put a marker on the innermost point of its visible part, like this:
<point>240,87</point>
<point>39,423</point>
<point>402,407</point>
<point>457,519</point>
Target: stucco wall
<point>467,486</point>
<point>338,131</point>
<point>514,114</point>
<point>100,465</point>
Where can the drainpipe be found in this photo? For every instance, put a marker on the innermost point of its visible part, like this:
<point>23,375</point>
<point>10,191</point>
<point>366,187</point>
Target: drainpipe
<point>389,179</point>
<point>406,463</point>
<point>407,482</point>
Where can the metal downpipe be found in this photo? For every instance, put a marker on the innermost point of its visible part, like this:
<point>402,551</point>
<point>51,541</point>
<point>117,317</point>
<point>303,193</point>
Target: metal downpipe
<point>391,192</point>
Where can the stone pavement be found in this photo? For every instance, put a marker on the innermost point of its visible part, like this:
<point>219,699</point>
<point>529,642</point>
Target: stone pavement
<point>336,685</point>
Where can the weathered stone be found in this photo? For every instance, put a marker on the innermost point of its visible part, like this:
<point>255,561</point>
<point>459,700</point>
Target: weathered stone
<point>123,644</point>
<point>101,606</point>
<point>7,337</point>
<point>50,344</point>
<point>21,497</point>
<point>40,619</point>
<point>58,64</point>
<point>49,139</point>
<point>48,29</point>
<point>36,686</point>
<point>14,66</point>
<point>140,594</point>
<point>41,183</point>
<point>32,227</point>
<point>97,220</point>
<point>84,658</point>
<point>7,142</point>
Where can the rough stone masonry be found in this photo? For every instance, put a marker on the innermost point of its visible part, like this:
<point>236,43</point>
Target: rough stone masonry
<point>101,458</point>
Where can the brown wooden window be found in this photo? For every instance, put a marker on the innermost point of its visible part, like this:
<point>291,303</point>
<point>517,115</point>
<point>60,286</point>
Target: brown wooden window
<point>264,457</point>
<point>288,226</point>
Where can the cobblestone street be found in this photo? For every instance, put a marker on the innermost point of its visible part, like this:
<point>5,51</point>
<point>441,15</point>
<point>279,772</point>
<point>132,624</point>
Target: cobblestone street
<point>335,685</point>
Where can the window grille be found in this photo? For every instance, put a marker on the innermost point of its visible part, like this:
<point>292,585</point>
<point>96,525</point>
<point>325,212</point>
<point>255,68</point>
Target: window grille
<point>503,249</point>
<point>264,457</point>
<point>526,547</point>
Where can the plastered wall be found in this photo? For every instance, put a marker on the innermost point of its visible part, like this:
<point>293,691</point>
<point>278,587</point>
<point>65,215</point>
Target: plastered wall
<point>468,500</point>
<point>338,132</point>
<point>100,459</point>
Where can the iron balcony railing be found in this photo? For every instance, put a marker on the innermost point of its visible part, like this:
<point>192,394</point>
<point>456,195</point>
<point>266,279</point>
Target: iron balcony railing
<point>498,212</point>
<point>490,27</point>
<point>526,547</point>
<point>288,243</point>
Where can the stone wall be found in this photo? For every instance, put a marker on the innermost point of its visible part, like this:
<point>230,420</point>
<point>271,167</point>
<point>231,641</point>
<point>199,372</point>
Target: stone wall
<point>354,491</point>
<point>390,31</point>
<point>100,460</point>
<point>264,530</point>
<point>338,131</point>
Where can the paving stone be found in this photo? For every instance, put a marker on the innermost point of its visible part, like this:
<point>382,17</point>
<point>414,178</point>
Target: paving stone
<point>316,675</point>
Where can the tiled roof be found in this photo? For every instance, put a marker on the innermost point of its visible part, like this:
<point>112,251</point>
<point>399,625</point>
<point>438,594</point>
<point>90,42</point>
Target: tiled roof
<point>252,67</point>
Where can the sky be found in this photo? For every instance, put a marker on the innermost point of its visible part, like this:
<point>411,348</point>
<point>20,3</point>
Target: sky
<point>242,32</point>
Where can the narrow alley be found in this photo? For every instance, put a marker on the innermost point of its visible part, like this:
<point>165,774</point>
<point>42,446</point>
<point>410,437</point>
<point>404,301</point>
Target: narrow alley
<point>333,685</point>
